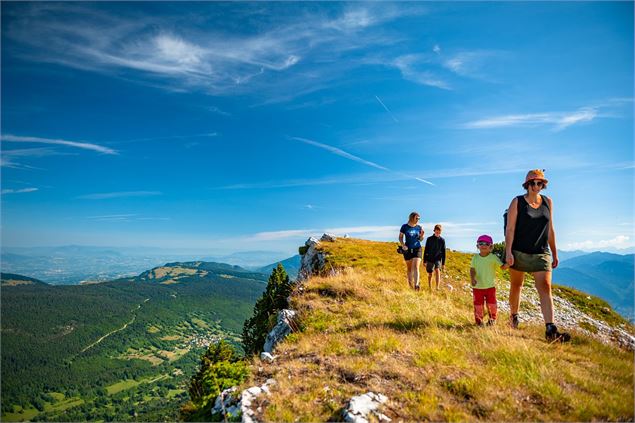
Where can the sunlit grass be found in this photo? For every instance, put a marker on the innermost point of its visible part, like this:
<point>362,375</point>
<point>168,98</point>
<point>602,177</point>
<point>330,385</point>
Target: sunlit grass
<point>365,330</point>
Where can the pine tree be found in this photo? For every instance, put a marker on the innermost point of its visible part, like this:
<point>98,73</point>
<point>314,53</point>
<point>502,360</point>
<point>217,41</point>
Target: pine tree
<point>274,299</point>
<point>221,367</point>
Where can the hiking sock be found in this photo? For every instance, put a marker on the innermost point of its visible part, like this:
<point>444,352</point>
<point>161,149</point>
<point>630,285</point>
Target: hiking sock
<point>513,321</point>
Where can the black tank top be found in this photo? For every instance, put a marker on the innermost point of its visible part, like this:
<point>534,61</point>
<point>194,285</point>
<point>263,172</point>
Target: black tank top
<point>532,227</point>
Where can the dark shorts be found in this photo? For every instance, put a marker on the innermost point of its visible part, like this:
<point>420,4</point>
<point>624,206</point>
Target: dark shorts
<point>524,262</point>
<point>431,265</point>
<point>413,253</point>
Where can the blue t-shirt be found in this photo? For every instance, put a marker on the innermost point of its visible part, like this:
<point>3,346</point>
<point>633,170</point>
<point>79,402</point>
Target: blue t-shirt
<point>412,235</point>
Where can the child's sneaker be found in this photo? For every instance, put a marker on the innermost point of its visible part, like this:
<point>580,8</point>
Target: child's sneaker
<point>513,321</point>
<point>417,287</point>
<point>552,334</point>
<point>491,322</point>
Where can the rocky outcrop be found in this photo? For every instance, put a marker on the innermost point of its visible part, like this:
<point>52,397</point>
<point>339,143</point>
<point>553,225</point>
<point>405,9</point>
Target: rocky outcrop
<point>313,260</point>
<point>284,326</point>
<point>362,407</point>
<point>230,407</point>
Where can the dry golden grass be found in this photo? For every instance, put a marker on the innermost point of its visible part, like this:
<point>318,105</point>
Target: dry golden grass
<point>365,330</point>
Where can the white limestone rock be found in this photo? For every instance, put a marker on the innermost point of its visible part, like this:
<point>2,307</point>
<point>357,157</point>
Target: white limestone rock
<point>328,237</point>
<point>283,327</point>
<point>362,406</point>
<point>267,357</point>
<point>312,261</point>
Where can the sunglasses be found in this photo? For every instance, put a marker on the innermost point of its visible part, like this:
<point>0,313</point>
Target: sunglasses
<point>536,183</point>
<point>483,244</point>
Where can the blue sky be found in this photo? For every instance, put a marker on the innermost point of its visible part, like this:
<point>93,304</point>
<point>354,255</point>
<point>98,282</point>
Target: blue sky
<point>250,126</point>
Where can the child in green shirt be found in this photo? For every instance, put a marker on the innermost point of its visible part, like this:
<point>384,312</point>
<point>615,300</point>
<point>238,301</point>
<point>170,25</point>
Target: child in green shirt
<point>482,273</point>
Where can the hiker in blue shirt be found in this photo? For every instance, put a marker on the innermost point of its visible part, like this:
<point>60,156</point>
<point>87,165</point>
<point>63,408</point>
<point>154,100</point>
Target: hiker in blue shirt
<point>410,236</point>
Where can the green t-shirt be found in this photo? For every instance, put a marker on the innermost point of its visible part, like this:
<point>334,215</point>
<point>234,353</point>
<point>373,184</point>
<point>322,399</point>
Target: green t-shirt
<point>485,270</point>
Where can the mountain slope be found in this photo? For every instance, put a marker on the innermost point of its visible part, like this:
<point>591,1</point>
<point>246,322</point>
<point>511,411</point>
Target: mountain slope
<point>12,279</point>
<point>182,272</point>
<point>291,266</point>
<point>607,275</point>
<point>363,329</point>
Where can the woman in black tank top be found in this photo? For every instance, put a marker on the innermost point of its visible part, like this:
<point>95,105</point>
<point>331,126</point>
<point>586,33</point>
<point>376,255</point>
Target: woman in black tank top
<point>530,246</point>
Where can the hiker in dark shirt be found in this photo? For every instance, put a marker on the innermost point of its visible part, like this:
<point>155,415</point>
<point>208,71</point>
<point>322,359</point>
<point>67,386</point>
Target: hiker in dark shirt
<point>434,256</point>
<point>530,246</point>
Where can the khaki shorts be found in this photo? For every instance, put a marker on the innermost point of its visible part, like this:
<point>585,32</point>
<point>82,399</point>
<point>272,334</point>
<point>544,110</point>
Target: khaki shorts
<point>524,262</point>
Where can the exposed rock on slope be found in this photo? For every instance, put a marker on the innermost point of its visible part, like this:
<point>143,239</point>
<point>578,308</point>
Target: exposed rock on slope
<point>362,330</point>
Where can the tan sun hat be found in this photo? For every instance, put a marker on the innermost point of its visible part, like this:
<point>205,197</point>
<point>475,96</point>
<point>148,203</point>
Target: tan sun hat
<point>536,174</point>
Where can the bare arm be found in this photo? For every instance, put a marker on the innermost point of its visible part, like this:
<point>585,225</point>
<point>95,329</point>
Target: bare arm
<point>401,238</point>
<point>512,215</point>
<point>473,276</point>
<point>552,237</point>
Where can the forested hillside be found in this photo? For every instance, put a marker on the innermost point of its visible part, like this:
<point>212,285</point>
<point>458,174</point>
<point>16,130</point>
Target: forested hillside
<point>120,350</point>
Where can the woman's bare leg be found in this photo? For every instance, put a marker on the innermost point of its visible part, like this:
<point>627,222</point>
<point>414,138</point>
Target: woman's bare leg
<point>543,285</point>
<point>416,263</point>
<point>409,266</point>
<point>516,279</point>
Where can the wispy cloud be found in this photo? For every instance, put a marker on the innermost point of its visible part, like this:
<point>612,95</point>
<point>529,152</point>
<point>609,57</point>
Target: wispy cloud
<point>123,218</point>
<point>169,137</point>
<point>387,109</point>
<point>111,217</point>
<point>18,191</point>
<point>378,232</point>
<point>285,234</point>
<point>121,194</point>
<point>186,55</point>
<point>620,242</point>
<point>328,180</point>
<point>218,111</point>
<point>471,64</point>
<point>74,144</point>
<point>419,69</point>
<point>558,120</point>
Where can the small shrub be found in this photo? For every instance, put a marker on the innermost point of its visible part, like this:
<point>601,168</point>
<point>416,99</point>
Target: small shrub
<point>221,368</point>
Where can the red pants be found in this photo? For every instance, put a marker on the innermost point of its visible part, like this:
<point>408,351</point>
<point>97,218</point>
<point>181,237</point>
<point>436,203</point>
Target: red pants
<point>484,296</point>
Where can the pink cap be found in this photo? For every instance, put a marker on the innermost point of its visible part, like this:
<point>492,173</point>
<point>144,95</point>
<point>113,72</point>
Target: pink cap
<point>485,238</point>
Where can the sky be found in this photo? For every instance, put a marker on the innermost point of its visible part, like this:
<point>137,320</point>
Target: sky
<point>252,126</point>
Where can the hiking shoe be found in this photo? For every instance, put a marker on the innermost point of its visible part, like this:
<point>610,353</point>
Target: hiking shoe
<point>491,322</point>
<point>513,321</point>
<point>553,335</point>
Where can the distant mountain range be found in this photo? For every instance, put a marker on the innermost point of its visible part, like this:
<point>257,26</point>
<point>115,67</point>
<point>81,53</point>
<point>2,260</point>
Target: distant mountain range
<point>607,275</point>
<point>72,264</point>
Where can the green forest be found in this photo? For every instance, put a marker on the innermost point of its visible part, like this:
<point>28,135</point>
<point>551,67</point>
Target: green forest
<point>120,350</point>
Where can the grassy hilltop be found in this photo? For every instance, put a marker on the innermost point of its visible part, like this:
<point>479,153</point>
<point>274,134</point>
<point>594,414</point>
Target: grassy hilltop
<point>364,330</point>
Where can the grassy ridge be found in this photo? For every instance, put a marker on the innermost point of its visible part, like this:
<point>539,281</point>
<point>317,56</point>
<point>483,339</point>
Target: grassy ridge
<point>364,329</point>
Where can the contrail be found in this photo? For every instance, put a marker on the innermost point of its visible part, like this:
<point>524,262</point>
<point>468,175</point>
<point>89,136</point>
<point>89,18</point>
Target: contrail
<point>387,109</point>
<point>342,153</point>
<point>83,145</point>
<point>349,156</point>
